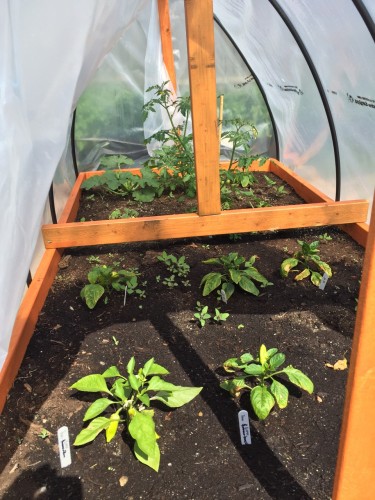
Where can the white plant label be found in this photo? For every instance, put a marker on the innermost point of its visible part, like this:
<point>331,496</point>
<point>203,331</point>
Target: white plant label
<point>223,296</point>
<point>64,446</point>
<point>125,292</point>
<point>324,281</point>
<point>243,421</point>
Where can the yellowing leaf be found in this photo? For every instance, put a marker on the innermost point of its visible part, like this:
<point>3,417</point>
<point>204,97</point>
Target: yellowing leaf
<point>341,364</point>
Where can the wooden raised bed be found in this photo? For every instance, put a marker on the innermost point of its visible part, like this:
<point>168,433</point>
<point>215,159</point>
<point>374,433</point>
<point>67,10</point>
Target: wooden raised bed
<point>320,211</point>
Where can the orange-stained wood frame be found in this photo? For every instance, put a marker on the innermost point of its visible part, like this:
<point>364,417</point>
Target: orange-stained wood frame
<point>356,457</point>
<point>202,76</point>
<point>166,40</point>
<point>33,302</point>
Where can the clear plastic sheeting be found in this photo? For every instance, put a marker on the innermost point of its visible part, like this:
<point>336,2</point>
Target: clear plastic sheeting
<point>344,52</point>
<point>242,97</point>
<point>49,51</point>
<point>302,125</point>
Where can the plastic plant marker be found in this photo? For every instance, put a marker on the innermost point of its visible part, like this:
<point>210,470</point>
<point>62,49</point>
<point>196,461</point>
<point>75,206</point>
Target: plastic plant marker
<point>243,421</point>
<point>324,281</point>
<point>64,446</point>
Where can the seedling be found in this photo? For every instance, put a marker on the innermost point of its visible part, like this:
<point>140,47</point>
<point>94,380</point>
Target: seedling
<point>115,341</point>
<point>269,181</point>
<point>175,265</point>
<point>220,316</point>
<point>236,270</point>
<point>305,258</point>
<point>104,279</point>
<point>44,434</point>
<point>129,398</point>
<point>170,281</point>
<point>93,259</point>
<point>325,237</point>
<point>261,376</point>
<point>202,314</point>
<point>127,213</point>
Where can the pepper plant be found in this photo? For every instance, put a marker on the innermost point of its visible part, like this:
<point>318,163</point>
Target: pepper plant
<point>306,258</point>
<point>261,376</point>
<point>235,270</point>
<point>104,279</point>
<point>127,400</point>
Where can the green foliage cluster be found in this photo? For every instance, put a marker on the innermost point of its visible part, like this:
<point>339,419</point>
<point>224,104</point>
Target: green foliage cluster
<point>104,279</point>
<point>178,267</point>
<point>202,315</point>
<point>266,388</point>
<point>129,398</point>
<point>306,257</point>
<point>127,213</point>
<point>235,271</point>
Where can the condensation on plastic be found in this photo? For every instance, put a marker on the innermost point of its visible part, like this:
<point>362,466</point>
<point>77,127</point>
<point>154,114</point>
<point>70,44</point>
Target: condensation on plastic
<point>265,41</point>
<point>344,53</point>
<point>49,52</point>
<point>242,98</point>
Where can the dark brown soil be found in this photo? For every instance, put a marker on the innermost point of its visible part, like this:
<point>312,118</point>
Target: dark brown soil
<point>97,204</point>
<point>293,452</point>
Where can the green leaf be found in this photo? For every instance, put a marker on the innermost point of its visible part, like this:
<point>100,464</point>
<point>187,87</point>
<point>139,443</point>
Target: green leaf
<point>212,261</point>
<point>262,401</point>
<point>91,383</point>
<point>287,265</point>
<point>316,278</point>
<point>91,294</point>
<point>254,274</point>
<point>325,268</point>
<point>92,430</point>
<point>234,385</point>
<point>299,379</point>
<point>271,352</point>
<point>112,371</point>
<point>231,364</point>
<point>142,430</point>
<point>97,408</point>
<point>211,281</point>
<point>247,285</point>
<point>246,357</point>
<point>152,461</point>
<point>179,396</point>
<point>253,370</point>
<point>235,275</point>
<point>120,390</point>
<point>280,393</point>
<point>130,366</point>
<point>158,384</point>
<point>147,366</point>
<point>145,399</point>
<point>303,274</point>
<point>228,289</point>
<point>276,361</point>
<point>134,382</point>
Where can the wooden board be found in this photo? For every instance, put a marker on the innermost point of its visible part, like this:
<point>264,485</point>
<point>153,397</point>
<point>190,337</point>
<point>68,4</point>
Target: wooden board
<point>190,225</point>
<point>356,458</point>
<point>202,76</point>
<point>166,40</point>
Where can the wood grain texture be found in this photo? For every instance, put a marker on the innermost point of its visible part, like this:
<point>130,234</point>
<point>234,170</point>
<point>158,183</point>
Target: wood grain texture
<point>190,225</point>
<point>356,457</point>
<point>202,76</point>
<point>166,40</point>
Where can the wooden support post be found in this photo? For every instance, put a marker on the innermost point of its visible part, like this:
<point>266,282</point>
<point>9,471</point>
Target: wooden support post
<point>166,40</point>
<point>202,75</point>
<point>356,458</point>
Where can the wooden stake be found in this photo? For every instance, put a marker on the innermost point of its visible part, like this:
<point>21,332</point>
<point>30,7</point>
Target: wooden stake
<point>356,458</point>
<point>202,75</point>
<point>221,110</point>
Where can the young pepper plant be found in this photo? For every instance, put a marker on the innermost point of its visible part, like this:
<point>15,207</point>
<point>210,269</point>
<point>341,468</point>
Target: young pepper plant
<point>129,398</point>
<point>306,257</point>
<point>236,270</point>
<point>265,390</point>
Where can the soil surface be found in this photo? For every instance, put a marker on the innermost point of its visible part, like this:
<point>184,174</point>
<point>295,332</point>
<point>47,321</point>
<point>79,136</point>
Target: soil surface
<point>293,452</point>
<point>98,204</point>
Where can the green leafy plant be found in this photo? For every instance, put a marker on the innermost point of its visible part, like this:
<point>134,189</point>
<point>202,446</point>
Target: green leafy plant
<point>44,434</point>
<point>261,376</point>
<point>104,279</point>
<point>127,213</point>
<point>178,267</point>
<point>219,316</point>
<point>306,257</point>
<point>202,314</point>
<point>93,259</point>
<point>110,162</point>
<point>236,270</point>
<point>325,237</point>
<point>129,399</point>
<point>241,133</point>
